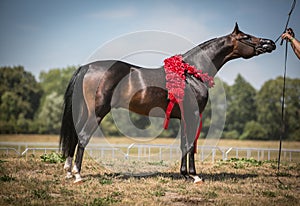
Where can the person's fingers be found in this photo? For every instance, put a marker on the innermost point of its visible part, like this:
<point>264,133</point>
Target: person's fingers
<point>291,32</point>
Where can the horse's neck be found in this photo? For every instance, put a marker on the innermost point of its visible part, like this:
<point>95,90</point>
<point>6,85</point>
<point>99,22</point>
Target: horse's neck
<point>210,56</point>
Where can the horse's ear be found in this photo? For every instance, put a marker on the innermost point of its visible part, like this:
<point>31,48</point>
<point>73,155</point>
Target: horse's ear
<point>236,29</point>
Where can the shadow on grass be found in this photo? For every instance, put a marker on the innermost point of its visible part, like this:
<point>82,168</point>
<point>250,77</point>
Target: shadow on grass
<point>176,176</point>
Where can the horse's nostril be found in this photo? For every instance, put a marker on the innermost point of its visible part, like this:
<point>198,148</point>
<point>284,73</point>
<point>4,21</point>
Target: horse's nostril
<point>268,44</point>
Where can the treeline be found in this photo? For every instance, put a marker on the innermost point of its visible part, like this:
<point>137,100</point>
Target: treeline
<point>257,115</point>
<point>28,106</point>
<point>31,106</point>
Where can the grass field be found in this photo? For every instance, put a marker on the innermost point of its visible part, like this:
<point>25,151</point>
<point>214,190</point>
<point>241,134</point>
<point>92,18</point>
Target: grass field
<point>236,182</point>
<point>30,181</point>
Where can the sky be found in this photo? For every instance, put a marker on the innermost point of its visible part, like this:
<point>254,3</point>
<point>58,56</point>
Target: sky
<point>43,34</point>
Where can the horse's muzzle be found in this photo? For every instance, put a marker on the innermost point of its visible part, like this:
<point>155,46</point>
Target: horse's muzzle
<point>266,45</point>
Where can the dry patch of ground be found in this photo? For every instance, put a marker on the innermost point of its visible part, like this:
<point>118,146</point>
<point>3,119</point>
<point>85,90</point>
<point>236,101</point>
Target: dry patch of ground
<point>236,182</point>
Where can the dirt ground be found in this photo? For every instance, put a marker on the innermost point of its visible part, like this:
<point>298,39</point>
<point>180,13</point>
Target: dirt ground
<point>30,181</point>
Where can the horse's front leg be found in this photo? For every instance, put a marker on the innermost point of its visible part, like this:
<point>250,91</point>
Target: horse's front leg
<point>183,167</point>
<point>184,151</point>
<point>192,168</point>
<point>192,122</point>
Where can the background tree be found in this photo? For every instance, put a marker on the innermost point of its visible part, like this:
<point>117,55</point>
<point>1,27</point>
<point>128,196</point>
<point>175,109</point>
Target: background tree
<point>241,105</point>
<point>20,95</point>
<point>56,80</point>
<point>28,106</point>
<point>293,109</point>
<point>269,107</point>
<point>269,100</point>
<point>50,115</point>
<point>254,131</point>
<point>54,83</point>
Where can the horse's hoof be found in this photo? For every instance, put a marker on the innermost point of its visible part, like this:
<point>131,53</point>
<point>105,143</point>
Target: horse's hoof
<point>69,175</point>
<point>197,179</point>
<point>79,181</point>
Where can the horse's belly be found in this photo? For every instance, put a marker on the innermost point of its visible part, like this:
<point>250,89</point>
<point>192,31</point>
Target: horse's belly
<point>143,92</point>
<point>151,101</point>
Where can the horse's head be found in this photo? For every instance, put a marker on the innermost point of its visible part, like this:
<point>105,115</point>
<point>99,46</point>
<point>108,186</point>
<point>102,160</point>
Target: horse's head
<point>247,46</point>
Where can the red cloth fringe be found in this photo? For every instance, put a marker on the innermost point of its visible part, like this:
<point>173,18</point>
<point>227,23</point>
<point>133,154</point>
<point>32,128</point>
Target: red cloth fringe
<point>175,70</point>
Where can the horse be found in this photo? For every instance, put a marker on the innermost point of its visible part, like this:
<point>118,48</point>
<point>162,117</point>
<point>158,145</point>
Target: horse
<point>97,87</point>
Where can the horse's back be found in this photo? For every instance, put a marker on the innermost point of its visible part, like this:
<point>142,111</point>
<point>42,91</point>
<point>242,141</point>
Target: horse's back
<point>138,89</point>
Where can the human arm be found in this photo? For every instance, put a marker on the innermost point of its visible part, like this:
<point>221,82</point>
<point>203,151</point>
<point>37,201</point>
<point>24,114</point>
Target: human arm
<point>295,44</point>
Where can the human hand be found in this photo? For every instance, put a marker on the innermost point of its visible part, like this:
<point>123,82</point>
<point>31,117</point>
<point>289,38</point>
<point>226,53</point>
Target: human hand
<point>289,34</point>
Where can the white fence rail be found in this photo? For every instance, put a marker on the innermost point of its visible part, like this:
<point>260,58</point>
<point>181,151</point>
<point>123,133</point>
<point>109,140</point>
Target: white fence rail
<point>151,152</point>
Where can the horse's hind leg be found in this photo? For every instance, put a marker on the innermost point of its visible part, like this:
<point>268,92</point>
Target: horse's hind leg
<point>69,160</point>
<point>84,137</point>
<point>97,97</point>
<point>78,162</point>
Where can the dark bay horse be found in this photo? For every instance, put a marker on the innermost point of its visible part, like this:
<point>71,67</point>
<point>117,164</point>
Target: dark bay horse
<point>97,87</point>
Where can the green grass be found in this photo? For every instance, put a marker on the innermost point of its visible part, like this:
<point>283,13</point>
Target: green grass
<point>53,157</point>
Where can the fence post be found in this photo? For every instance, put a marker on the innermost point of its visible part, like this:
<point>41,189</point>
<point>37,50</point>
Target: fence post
<point>213,155</point>
<point>226,153</point>
<point>248,154</point>
<point>149,153</point>
<point>160,157</point>
<point>128,148</point>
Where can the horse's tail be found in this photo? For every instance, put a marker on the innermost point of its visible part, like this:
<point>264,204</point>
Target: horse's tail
<point>68,135</point>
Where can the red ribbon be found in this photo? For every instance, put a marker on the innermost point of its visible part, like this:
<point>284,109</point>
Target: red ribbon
<point>175,70</point>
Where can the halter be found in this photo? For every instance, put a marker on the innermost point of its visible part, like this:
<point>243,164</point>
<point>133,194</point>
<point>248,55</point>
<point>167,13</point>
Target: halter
<point>247,41</point>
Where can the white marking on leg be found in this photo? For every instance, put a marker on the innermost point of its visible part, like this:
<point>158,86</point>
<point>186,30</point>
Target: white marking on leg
<point>76,173</point>
<point>77,178</point>
<point>75,169</point>
<point>69,175</point>
<point>68,164</point>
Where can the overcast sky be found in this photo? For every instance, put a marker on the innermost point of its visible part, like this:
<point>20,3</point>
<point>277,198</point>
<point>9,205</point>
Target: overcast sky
<point>41,35</point>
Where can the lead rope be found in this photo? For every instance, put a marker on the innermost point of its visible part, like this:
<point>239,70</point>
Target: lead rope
<point>282,132</point>
<point>287,22</point>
